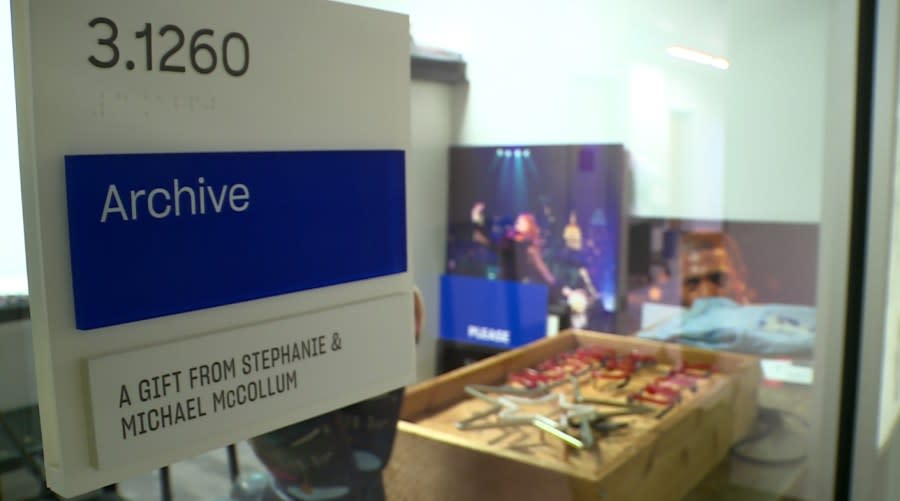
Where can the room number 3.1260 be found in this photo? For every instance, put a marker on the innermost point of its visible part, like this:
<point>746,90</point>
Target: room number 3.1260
<point>202,56</point>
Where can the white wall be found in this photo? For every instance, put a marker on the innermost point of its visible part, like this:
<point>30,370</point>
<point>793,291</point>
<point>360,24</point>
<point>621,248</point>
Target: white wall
<point>432,134</point>
<point>775,122</point>
<point>750,139</point>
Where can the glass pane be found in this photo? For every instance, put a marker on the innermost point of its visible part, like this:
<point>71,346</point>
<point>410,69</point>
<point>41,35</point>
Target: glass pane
<point>21,474</point>
<point>615,227</point>
<point>634,199</point>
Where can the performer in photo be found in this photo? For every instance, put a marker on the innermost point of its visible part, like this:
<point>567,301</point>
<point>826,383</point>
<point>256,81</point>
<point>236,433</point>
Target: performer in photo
<point>720,311</point>
<point>572,234</point>
<point>520,249</point>
<point>711,266</point>
<point>521,253</point>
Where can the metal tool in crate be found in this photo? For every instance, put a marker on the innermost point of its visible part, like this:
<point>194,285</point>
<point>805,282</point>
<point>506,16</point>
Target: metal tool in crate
<point>533,387</point>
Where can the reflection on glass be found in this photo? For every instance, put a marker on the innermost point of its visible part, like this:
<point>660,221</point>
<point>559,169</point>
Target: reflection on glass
<point>719,308</point>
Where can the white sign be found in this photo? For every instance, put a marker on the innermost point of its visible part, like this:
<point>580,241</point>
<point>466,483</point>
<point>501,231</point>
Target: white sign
<point>147,84</point>
<point>156,399</point>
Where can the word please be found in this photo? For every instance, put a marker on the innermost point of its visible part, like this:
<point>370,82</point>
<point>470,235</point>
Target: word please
<point>161,202</point>
<point>488,334</point>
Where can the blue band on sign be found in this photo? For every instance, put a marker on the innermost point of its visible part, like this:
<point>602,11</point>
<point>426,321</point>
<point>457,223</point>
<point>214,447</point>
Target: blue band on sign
<point>156,234</point>
<point>492,312</point>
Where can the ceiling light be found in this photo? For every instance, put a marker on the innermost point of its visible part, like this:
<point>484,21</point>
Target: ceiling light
<point>699,57</point>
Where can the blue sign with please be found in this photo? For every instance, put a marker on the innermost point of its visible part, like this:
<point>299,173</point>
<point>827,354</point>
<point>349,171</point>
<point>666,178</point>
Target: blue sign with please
<point>156,234</point>
<point>492,312</point>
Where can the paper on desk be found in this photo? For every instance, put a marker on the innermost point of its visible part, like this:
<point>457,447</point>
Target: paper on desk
<point>786,371</point>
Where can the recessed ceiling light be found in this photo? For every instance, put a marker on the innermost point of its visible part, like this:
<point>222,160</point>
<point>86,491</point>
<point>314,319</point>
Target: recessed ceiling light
<point>699,57</point>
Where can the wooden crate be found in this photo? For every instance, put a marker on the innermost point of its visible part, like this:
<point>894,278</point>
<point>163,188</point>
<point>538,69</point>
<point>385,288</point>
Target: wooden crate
<point>653,459</point>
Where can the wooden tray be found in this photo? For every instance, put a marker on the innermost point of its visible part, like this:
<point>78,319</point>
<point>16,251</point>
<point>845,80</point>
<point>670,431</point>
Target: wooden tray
<point>652,459</point>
